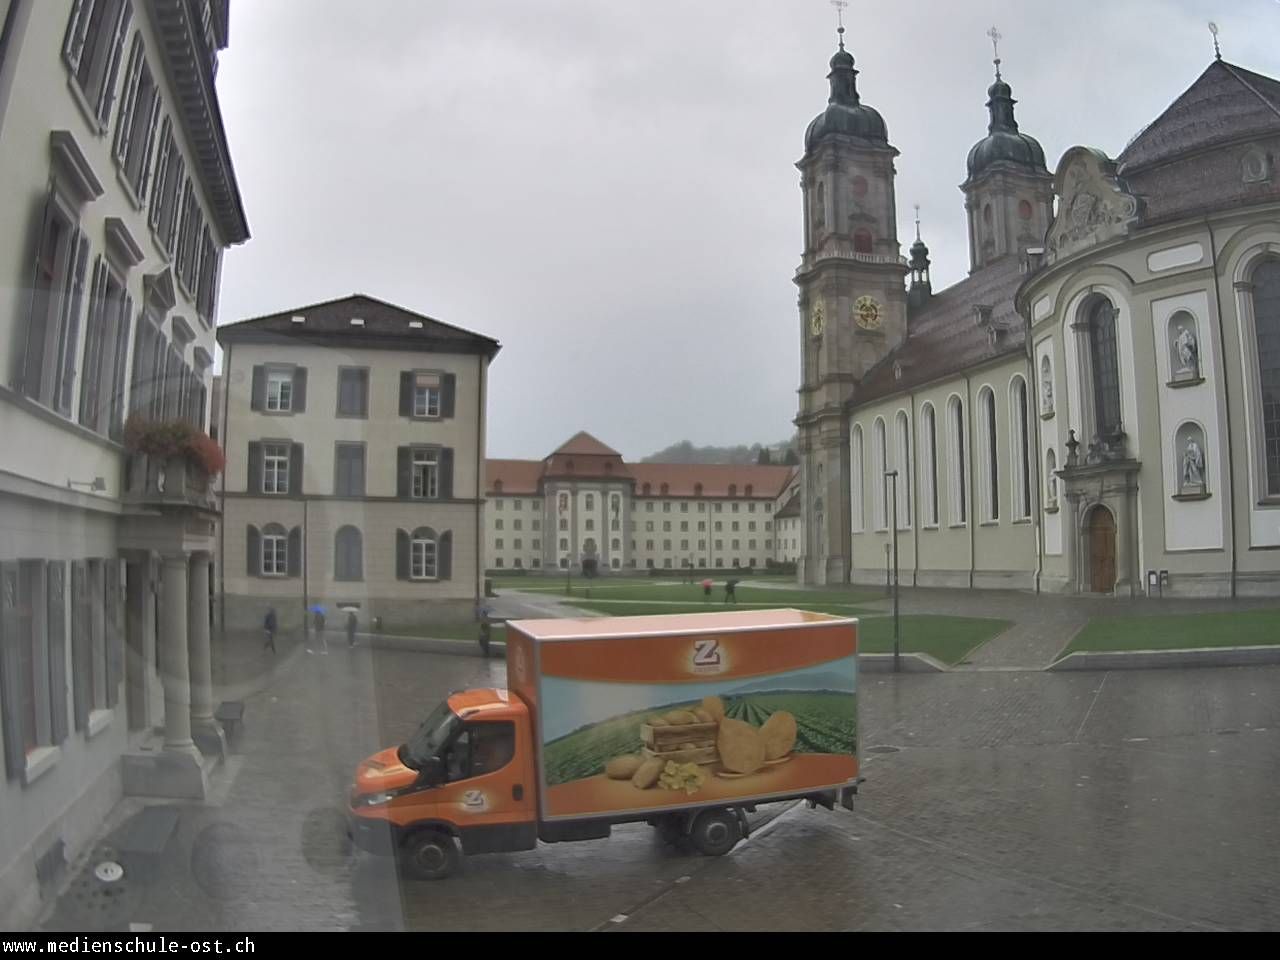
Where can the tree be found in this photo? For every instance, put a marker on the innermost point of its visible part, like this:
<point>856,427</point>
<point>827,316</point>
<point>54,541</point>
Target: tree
<point>765,459</point>
<point>792,460</point>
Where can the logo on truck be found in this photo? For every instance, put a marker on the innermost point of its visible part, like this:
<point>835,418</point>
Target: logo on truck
<point>708,656</point>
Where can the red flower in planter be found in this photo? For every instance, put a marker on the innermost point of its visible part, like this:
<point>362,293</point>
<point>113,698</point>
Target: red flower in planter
<point>167,439</point>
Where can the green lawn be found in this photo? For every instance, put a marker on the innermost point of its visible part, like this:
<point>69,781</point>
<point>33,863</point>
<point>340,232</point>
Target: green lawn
<point>443,631</point>
<point>948,639</point>
<point>666,591</point>
<point>1246,628</point>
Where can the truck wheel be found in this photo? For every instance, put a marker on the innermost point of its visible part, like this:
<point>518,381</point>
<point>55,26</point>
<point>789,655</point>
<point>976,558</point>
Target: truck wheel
<point>429,855</point>
<point>715,833</point>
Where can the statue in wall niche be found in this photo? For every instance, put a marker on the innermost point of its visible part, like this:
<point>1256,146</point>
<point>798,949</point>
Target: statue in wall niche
<point>1192,465</point>
<point>1188,351</point>
<point>1046,394</point>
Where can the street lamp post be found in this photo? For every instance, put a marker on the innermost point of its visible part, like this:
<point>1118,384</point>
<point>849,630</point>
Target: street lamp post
<point>891,477</point>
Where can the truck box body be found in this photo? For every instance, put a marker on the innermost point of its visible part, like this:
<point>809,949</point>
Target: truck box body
<point>651,688</point>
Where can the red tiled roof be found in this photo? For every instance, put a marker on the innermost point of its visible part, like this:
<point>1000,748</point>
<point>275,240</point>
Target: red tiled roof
<point>682,479</point>
<point>516,476</point>
<point>583,444</point>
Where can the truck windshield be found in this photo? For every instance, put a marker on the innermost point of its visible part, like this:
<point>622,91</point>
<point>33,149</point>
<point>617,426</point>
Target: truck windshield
<point>426,742</point>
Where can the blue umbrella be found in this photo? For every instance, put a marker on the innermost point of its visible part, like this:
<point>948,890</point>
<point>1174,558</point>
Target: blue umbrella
<point>317,609</point>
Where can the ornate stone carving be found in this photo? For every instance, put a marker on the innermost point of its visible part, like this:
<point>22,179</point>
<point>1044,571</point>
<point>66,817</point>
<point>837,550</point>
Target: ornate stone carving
<point>1094,204</point>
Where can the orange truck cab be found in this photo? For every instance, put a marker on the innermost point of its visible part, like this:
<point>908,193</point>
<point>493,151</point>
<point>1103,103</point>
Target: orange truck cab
<point>685,722</point>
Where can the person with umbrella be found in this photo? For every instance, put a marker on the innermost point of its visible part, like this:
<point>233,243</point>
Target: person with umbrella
<point>730,591</point>
<point>317,623</point>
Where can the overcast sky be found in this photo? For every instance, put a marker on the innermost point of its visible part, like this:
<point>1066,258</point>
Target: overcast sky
<point>609,188</point>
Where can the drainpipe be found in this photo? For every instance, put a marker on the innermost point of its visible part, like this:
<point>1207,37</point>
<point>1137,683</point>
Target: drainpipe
<point>1226,399</point>
<point>8,47</point>
<point>846,495</point>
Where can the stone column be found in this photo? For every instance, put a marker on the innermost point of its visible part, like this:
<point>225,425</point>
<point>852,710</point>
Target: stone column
<point>139,630</point>
<point>203,727</point>
<point>175,660</point>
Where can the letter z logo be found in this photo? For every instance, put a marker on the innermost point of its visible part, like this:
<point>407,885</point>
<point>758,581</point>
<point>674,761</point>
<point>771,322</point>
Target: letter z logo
<point>706,653</point>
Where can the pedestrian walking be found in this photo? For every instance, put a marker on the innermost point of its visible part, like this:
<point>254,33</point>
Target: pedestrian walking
<point>269,626</point>
<point>351,628</point>
<point>317,624</point>
<point>730,591</point>
<point>706,589</point>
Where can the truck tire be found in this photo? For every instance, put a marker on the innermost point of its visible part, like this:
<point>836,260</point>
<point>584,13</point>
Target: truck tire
<point>715,832</point>
<point>429,855</point>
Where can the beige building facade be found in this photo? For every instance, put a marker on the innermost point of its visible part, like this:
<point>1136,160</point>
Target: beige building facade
<point>584,504</point>
<point>355,434</point>
<point>118,199</point>
<point>1096,407</point>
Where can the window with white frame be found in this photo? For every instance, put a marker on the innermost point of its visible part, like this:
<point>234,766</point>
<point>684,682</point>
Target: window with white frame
<point>422,559</point>
<point>856,471</point>
<point>275,552</point>
<point>929,464</point>
<point>279,391</point>
<point>902,464</point>
<point>92,48</point>
<point>990,461</point>
<point>879,458</point>
<point>426,395</point>
<point>426,473</point>
<point>1266,321</point>
<point>139,116</point>
<point>1020,446</point>
<point>956,454</point>
<point>275,468</point>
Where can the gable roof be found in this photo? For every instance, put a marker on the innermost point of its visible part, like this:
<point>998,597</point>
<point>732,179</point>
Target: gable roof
<point>385,325</point>
<point>583,444</point>
<point>1225,104</point>
<point>944,336</point>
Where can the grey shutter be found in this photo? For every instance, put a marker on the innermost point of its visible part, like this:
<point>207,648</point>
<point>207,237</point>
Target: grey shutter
<point>56,587</point>
<point>70,321</point>
<point>448,394</point>
<point>114,630</point>
<point>113,66</point>
<point>94,344</point>
<point>119,366</point>
<point>295,469</point>
<point>73,42</point>
<point>446,473</point>
<point>357,471</point>
<point>129,100</point>
<point>299,400</point>
<point>355,561</point>
<point>404,485</point>
<point>255,468</point>
<point>81,642</point>
<point>253,553</point>
<point>294,551</point>
<point>15,753</point>
<point>30,361</point>
<point>153,123</point>
<point>406,394</point>
<point>362,384</point>
<point>402,555</point>
<point>444,560</point>
<point>161,172</point>
<point>258,398</point>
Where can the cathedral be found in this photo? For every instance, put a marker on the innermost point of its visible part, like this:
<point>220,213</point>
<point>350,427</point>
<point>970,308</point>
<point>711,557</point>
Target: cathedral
<point>1096,407</point>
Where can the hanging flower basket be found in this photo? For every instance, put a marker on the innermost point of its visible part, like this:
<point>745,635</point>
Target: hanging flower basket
<point>168,440</point>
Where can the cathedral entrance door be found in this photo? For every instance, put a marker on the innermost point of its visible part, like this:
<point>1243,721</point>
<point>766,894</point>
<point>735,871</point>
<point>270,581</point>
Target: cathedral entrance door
<point>1102,550</point>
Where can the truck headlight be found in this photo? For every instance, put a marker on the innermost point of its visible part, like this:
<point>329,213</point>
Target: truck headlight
<point>374,799</point>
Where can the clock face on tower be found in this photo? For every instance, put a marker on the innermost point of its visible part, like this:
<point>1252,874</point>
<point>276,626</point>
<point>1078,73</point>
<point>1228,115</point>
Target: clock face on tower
<point>817,321</point>
<point>866,313</point>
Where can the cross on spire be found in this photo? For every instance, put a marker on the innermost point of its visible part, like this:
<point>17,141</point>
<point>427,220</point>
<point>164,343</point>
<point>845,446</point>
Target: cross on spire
<point>840,6</point>
<point>917,221</point>
<point>1217,48</point>
<point>996,36</point>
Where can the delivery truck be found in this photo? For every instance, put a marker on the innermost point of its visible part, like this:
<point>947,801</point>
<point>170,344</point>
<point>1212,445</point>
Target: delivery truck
<point>684,722</point>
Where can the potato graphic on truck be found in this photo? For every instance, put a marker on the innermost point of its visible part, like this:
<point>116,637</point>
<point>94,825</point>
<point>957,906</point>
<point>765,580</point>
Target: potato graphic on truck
<point>678,721</point>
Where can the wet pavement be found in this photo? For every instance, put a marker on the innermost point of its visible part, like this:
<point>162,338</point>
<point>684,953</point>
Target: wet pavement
<point>1003,800</point>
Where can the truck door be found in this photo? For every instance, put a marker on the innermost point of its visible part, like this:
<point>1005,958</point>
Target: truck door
<point>489,792</point>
